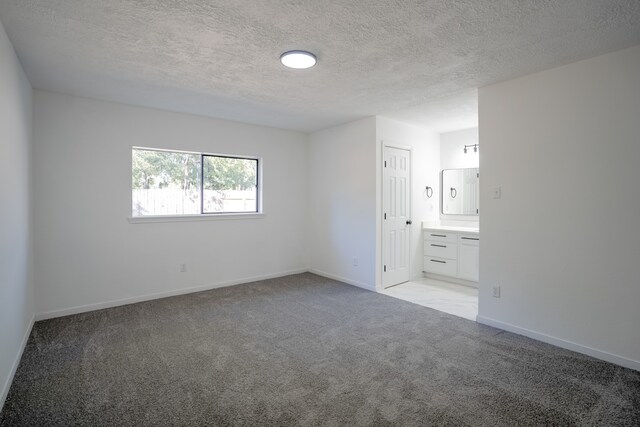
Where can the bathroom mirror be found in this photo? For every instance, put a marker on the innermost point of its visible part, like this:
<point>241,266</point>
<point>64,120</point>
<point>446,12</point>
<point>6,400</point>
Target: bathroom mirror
<point>460,191</point>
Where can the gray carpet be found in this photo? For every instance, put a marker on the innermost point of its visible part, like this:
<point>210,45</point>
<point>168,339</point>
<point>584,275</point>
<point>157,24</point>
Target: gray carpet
<point>304,350</point>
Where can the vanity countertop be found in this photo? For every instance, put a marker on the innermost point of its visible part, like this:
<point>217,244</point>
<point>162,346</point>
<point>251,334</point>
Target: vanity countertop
<point>474,230</point>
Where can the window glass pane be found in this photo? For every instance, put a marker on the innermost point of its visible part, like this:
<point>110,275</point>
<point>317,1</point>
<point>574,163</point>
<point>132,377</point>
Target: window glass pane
<point>230,184</point>
<point>165,183</point>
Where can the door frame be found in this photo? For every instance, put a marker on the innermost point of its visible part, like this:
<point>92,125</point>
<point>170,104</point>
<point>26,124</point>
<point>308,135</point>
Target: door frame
<point>409,148</point>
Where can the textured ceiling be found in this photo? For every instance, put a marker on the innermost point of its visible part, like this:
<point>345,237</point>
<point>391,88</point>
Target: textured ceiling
<point>407,59</point>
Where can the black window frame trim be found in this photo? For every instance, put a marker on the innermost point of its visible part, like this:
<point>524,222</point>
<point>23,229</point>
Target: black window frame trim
<point>224,156</point>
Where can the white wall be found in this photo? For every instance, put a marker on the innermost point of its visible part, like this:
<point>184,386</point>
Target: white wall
<point>88,255</point>
<point>342,202</point>
<point>425,150</point>
<point>563,242</point>
<point>452,155</point>
<point>16,279</point>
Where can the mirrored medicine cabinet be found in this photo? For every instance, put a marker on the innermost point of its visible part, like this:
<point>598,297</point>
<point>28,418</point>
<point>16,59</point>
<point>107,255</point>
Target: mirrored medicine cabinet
<point>460,191</point>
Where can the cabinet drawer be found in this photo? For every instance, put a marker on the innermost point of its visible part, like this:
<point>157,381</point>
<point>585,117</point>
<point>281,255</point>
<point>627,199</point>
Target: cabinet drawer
<point>469,239</point>
<point>440,236</point>
<point>446,267</point>
<point>441,249</point>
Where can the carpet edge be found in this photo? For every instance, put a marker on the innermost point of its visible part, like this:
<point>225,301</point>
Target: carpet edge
<point>164,294</point>
<point>559,342</point>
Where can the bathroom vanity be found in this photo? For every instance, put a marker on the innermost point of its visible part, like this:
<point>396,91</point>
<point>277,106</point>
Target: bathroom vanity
<point>452,252</point>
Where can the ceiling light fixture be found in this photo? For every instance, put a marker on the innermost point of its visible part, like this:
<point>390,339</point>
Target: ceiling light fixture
<point>298,59</point>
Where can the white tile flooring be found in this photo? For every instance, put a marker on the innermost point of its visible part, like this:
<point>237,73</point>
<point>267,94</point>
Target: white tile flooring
<point>451,298</point>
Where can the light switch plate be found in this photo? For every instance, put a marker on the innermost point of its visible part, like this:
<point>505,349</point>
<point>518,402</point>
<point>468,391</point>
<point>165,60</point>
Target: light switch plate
<point>497,192</point>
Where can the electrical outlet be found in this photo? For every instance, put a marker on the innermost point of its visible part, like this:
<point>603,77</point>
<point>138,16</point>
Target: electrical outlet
<point>183,268</point>
<point>355,262</point>
<point>496,291</point>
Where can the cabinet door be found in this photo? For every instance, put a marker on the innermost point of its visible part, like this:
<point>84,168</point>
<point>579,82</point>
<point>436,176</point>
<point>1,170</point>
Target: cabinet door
<point>468,262</point>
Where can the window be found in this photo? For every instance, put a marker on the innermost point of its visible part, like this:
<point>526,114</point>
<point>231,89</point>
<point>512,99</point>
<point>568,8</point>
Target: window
<point>182,183</point>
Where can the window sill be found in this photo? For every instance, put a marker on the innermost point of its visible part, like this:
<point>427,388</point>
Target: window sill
<point>190,218</point>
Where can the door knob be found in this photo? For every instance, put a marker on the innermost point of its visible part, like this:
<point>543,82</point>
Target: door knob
<point>409,222</point>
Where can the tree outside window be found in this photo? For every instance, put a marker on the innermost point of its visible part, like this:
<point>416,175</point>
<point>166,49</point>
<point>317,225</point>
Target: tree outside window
<point>178,183</point>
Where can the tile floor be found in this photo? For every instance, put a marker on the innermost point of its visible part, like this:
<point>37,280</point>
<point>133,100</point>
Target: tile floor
<point>451,298</point>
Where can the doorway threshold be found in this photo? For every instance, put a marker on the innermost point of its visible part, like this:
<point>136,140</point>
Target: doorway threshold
<point>451,298</point>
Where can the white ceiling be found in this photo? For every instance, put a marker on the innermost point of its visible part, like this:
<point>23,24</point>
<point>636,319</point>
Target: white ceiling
<point>444,114</point>
<point>416,60</point>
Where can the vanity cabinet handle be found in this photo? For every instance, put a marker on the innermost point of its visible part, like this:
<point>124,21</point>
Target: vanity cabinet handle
<point>441,262</point>
<point>438,246</point>
<point>470,238</point>
<point>439,235</point>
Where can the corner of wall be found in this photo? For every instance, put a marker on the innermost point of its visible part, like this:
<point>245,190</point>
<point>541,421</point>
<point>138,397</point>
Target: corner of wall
<point>17,305</point>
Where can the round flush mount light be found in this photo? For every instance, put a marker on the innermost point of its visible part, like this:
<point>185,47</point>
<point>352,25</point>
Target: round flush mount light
<point>298,59</point>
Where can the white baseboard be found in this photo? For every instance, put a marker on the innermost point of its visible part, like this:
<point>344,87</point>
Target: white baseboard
<point>16,362</point>
<point>558,342</point>
<point>344,279</point>
<point>450,279</point>
<point>165,294</point>
<point>157,295</point>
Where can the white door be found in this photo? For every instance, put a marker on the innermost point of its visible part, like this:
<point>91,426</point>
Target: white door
<point>396,220</point>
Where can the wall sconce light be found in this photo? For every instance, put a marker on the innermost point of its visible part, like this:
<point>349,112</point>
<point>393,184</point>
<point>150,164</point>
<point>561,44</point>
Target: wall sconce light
<point>475,148</point>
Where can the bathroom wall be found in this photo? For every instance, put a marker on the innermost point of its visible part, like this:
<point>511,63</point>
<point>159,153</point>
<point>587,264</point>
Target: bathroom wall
<point>452,145</point>
<point>452,156</point>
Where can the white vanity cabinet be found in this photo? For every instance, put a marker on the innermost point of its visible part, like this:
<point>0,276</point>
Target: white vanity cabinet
<point>452,252</point>
<point>468,256</point>
<point>440,252</point>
